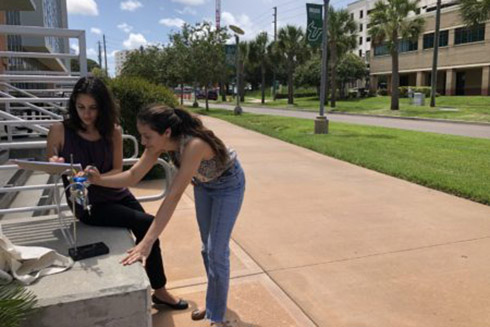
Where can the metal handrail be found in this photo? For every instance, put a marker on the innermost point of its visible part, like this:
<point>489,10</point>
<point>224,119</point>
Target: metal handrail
<point>42,144</point>
<point>166,167</point>
<point>29,94</point>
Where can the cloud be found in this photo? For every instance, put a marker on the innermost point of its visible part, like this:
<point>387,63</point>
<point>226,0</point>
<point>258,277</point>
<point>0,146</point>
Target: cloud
<point>186,10</point>
<point>82,7</point>
<point>190,2</point>
<point>177,22</point>
<point>135,41</point>
<point>130,5</point>
<point>75,48</point>
<point>250,28</point>
<point>125,27</point>
<point>91,52</point>
<point>96,30</point>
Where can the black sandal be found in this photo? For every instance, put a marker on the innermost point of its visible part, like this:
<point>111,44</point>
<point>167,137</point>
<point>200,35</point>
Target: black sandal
<point>181,305</point>
<point>198,314</point>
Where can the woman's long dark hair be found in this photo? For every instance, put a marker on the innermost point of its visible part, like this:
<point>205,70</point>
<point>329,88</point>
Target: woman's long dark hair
<point>181,122</point>
<point>107,112</point>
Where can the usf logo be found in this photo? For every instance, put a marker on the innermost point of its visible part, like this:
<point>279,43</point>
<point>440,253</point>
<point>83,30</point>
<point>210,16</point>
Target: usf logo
<point>314,33</point>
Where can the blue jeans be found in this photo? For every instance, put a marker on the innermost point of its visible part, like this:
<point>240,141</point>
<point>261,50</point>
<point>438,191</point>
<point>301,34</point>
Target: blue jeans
<point>218,203</point>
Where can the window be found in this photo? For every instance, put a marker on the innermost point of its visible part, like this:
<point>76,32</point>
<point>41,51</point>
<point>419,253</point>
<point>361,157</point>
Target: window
<point>380,50</point>
<point>368,39</point>
<point>468,35</point>
<point>407,45</point>
<point>360,40</point>
<point>352,15</point>
<point>360,53</point>
<point>360,27</point>
<point>361,14</point>
<point>429,39</point>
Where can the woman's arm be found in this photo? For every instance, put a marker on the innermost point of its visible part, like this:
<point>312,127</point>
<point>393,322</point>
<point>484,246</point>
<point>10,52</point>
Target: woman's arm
<point>190,161</point>
<point>54,142</point>
<point>117,152</point>
<point>127,178</point>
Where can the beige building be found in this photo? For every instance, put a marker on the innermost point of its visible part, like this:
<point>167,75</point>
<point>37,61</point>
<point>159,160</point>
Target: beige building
<point>463,61</point>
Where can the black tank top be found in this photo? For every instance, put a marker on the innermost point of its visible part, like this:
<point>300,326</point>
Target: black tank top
<point>96,153</point>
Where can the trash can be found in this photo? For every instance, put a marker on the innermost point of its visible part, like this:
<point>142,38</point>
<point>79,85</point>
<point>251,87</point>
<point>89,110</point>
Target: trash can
<point>419,99</point>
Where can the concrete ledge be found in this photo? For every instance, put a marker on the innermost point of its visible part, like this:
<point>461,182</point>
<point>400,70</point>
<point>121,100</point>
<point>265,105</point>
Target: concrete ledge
<point>95,292</point>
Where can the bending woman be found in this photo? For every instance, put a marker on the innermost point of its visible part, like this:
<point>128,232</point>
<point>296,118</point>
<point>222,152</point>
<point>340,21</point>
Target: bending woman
<point>92,135</point>
<point>219,185</point>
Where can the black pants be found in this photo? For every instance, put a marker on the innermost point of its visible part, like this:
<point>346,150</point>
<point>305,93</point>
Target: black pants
<point>129,213</point>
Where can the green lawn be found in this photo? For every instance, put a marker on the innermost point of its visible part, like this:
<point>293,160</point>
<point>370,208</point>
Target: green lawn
<point>453,164</point>
<point>466,108</point>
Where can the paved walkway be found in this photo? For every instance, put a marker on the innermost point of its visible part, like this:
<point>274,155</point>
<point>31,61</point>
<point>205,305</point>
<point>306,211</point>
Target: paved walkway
<point>462,129</point>
<point>321,242</point>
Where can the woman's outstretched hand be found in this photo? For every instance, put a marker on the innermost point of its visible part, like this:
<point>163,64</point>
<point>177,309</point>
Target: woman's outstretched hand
<point>93,174</point>
<point>139,253</point>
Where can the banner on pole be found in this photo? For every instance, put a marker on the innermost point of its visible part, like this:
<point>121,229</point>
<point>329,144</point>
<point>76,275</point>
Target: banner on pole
<point>230,51</point>
<point>314,29</point>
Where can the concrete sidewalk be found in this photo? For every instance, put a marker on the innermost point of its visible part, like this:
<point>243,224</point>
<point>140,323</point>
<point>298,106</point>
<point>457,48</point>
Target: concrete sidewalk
<point>321,242</point>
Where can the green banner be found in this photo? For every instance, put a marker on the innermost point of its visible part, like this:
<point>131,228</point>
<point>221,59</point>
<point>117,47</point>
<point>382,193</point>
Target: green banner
<point>314,29</point>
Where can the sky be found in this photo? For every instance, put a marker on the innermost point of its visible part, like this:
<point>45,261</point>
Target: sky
<point>128,24</point>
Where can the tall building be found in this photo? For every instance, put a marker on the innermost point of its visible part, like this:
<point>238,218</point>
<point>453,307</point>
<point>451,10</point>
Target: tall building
<point>120,58</point>
<point>43,13</point>
<point>463,61</point>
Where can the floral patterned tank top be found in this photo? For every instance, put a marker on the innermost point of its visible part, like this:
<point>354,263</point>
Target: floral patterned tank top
<point>208,169</point>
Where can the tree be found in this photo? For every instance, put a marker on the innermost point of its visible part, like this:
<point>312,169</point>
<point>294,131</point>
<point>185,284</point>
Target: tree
<point>475,12</point>
<point>390,22</point>
<point>350,69</point>
<point>179,56</point>
<point>150,63</point>
<point>341,38</point>
<point>292,46</point>
<point>258,55</point>
<point>309,73</point>
<point>207,52</point>
<point>75,65</point>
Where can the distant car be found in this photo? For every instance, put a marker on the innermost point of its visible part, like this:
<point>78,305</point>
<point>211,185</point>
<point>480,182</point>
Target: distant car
<point>212,95</point>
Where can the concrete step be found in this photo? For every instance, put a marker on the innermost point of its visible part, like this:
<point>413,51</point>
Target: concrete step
<point>97,291</point>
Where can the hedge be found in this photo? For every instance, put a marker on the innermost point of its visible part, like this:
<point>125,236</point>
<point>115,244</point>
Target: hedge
<point>132,94</point>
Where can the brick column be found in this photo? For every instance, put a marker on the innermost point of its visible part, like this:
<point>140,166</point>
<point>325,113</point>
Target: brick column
<point>485,81</point>
<point>373,83</point>
<point>420,79</point>
<point>450,82</point>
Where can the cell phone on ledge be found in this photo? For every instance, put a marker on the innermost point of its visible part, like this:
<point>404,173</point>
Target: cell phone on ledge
<point>88,251</point>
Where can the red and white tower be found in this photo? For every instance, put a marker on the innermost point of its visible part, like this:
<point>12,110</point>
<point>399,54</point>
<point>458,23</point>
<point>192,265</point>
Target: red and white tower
<point>218,14</point>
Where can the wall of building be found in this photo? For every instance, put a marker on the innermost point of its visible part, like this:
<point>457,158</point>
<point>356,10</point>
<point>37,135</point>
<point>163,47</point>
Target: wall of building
<point>456,56</point>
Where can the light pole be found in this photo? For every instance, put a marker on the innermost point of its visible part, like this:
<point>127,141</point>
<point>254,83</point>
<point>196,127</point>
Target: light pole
<point>321,121</point>
<point>238,31</point>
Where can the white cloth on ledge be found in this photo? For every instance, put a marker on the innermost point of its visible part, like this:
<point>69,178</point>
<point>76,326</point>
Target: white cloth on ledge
<point>28,263</point>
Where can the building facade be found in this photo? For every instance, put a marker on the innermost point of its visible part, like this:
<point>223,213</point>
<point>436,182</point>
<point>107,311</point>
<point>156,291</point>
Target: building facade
<point>120,58</point>
<point>43,13</point>
<point>463,60</point>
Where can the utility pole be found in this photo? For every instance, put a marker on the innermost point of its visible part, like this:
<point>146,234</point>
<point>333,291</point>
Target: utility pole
<point>433,79</point>
<point>100,54</point>
<point>321,122</point>
<point>105,56</point>
<point>273,65</point>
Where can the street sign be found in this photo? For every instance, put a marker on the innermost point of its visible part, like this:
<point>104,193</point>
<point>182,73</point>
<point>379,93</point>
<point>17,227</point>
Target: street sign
<point>314,24</point>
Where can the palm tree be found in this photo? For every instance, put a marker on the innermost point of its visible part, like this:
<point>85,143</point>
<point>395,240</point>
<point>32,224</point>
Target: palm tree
<point>475,11</point>
<point>292,46</point>
<point>390,22</point>
<point>258,55</point>
<point>16,303</point>
<point>341,39</point>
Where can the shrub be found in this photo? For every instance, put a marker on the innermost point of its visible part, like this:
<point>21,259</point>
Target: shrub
<point>415,89</point>
<point>383,92</point>
<point>132,94</point>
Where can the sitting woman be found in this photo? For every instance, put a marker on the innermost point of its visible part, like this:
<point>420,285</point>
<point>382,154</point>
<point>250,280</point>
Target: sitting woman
<point>92,136</point>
